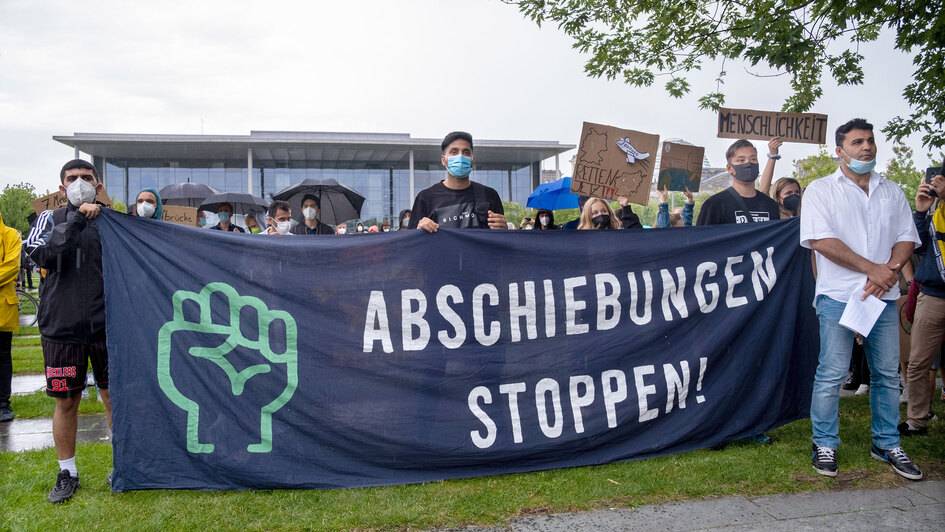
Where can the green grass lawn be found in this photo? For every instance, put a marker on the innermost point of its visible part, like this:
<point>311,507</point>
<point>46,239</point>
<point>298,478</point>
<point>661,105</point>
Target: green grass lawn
<point>27,360</point>
<point>26,331</point>
<point>38,404</point>
<point>741,468</point>
<point>25,341</point>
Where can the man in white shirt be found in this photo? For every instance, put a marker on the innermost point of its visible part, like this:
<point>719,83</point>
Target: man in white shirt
<point>860,228</point>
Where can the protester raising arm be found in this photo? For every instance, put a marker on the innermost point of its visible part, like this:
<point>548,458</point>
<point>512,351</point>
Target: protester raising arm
<point>627,218</point>
<point>774,145</point>
<point>662,215</point>
<point>688,208</point>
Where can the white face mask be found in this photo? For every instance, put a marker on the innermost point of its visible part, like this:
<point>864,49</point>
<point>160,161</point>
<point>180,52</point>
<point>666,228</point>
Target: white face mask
<point>387,229</point>
<point>406,221</point>
<point>310,213</point>
<point>342,230</point>
<point>145,209</point>
<point>80,192</point>
<point>544,220</point>
<point>283,227</point>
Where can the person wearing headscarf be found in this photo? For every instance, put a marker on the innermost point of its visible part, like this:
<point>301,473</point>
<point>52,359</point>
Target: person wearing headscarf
<point>147,205</point>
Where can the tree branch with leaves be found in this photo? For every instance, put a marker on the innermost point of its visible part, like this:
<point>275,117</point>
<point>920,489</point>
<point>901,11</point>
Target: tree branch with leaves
<point>640,40</point>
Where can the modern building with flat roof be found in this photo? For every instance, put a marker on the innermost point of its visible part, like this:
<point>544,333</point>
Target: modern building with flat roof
<point>388,169</point>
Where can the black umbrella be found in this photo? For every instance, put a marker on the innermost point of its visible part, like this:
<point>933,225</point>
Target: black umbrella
<point>337,203</point>
<point>186,194</point>
<point>242,202</point>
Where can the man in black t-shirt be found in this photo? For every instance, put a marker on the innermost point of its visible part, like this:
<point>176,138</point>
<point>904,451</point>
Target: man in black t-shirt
<point>736,203</point>
<point>457,202</point>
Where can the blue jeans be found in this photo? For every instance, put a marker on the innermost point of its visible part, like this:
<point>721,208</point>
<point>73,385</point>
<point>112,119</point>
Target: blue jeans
<point>882,355</point>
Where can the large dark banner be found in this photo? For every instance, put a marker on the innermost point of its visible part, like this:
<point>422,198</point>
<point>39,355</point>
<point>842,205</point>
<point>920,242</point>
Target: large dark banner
<point>241,361</point>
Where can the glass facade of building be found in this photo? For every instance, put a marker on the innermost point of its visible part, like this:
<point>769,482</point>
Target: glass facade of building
<point>386,191</point>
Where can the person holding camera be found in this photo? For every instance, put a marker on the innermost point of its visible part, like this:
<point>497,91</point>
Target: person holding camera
<point>928,327</point>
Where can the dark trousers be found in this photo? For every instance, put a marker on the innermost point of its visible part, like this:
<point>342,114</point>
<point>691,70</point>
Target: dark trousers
<point>859,366</point>
<point>6,366</point>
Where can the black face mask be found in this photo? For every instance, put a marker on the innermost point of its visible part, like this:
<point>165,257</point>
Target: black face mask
<point>747,172</point>
<point>602,221</point>
<point>792,202</point>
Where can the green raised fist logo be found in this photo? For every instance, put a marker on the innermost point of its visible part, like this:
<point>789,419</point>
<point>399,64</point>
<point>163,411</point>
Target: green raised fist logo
<point>233,338</point>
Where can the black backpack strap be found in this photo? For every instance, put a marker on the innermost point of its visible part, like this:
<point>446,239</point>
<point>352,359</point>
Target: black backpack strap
<point>741,203</point>
<point>482,204</point>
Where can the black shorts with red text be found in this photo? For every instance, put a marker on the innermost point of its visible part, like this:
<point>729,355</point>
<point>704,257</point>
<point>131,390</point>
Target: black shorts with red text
<point>67,366</point>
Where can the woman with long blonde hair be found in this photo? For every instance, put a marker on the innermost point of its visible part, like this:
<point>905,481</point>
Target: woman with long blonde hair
<point>598,214</point>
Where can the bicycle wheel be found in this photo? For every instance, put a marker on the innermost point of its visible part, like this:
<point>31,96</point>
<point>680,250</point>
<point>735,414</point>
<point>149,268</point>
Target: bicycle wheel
<point>28,307</point>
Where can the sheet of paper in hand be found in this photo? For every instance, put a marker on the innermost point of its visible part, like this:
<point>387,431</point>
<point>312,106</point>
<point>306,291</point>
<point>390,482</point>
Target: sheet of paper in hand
<point>680,167</point>
<point>614,162</point>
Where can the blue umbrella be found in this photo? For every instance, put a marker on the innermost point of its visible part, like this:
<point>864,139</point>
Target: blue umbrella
<point>553,196</point>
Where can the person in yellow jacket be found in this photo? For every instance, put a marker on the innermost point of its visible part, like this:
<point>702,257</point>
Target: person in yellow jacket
<point>9,316</point>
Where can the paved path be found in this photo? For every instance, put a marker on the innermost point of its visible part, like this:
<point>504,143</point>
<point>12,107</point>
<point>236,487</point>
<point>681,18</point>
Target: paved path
<point>915,506</point>
<point>28,434</point>
<point>27,384</point>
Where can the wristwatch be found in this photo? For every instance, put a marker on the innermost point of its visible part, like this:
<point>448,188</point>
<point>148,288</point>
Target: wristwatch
<point>775,157</point>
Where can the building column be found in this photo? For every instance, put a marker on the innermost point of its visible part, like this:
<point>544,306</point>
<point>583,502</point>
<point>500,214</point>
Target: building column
<point>413,192</point>
<point>126,185</point>
<point>249,170</point>
<point>99,163</point>
<point>510,185</point>
<point>76,151</point>
<point>390,191</point>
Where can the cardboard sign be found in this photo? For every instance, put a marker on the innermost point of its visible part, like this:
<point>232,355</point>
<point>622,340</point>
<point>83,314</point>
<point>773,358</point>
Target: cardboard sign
<point>765,125</point>
<point>56,199</point>
<point>680,167</point>
<point>614,162</point>
<point>177,214</point>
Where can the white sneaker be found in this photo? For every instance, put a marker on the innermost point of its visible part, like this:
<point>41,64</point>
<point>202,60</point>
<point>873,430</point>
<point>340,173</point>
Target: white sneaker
<point>904,396</point>
<point>862,390</point>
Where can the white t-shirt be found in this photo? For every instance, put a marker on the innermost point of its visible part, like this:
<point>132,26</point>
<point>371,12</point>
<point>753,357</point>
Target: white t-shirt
<point>835,207</point>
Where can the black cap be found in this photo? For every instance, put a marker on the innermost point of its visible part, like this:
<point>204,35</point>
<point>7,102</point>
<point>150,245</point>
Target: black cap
<point>449,138</point>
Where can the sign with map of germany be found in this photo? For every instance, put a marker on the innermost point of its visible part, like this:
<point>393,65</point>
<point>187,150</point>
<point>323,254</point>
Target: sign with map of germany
<point>680,167</point>
<point>614,162</point>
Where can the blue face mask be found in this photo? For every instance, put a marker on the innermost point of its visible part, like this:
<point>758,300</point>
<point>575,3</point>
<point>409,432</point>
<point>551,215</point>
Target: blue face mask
<point>223,216</point>
<point>459,165</point>
<point>858,166</point>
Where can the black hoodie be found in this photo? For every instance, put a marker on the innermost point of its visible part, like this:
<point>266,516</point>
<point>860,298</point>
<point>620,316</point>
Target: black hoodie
<point>67,245</point>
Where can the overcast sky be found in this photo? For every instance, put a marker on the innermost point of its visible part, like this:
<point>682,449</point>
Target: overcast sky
<point>419,67</point>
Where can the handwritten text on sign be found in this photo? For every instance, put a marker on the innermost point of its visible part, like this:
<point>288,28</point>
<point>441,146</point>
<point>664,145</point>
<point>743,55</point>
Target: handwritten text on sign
<point>614,162</point>
<point>55,200</point>
<point>764,125</point>
<point>180,215</point>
